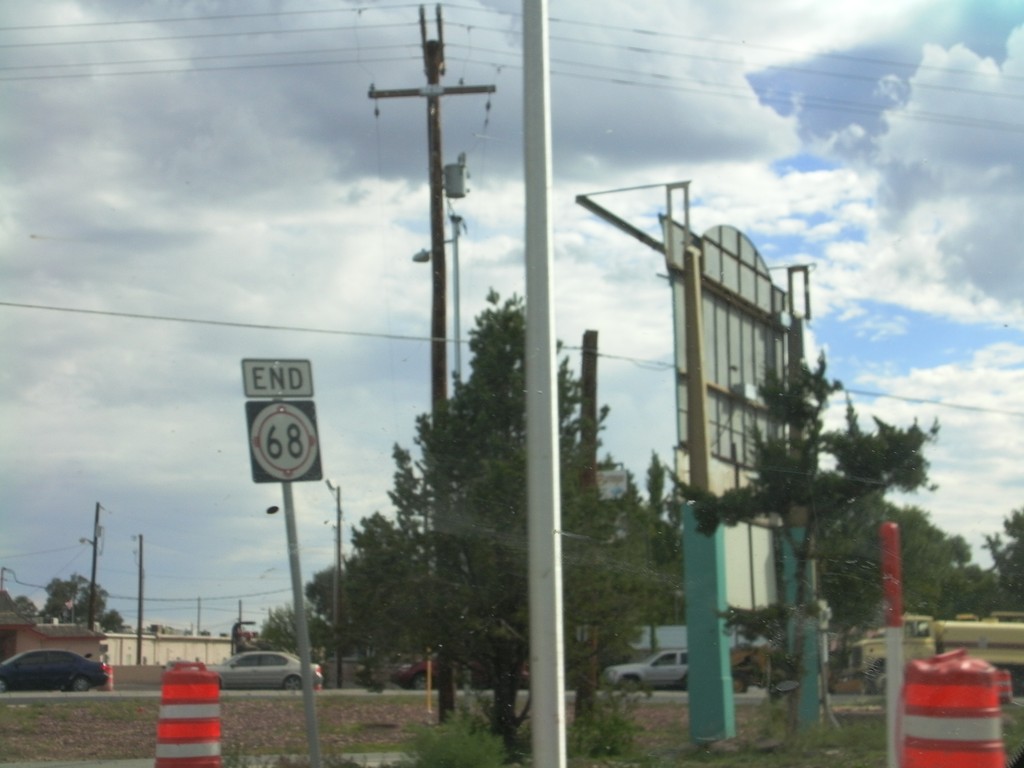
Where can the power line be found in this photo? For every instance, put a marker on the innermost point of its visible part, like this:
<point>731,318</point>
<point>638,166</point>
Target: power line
<point>784,99</point>
<point>199,36</point>
<point>653,364</point>
<point>192,599</point>
<point>220,323</point>
<point>565,22</point>
<point>12,556</point>
<point>747,44</point>
<point>196,70</point>
<point>941,403</point>
<point>185,19</point>
<point>661,82</point>
<point>662,365</point>
<point>212,57</point>
<point>704,87</point>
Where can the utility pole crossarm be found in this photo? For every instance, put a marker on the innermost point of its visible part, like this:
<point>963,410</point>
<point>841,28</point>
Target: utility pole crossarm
<point>429,90</point>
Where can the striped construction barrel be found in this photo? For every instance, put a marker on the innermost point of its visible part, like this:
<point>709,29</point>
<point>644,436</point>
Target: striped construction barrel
<point>951,713</point>
<point>188,734</point>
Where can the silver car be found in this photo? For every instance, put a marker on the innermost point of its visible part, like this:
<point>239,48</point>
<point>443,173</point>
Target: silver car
<point>667,669</point>
<point>264,669</point>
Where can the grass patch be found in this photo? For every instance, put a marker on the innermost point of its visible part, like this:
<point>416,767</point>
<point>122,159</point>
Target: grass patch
<point>23,717</point>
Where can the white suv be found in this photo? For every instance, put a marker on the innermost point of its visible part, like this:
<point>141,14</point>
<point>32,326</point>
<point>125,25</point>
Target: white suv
<point>665,669</point>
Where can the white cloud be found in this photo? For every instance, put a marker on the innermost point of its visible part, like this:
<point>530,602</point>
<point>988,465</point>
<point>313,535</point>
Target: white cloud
<point>274,196</point>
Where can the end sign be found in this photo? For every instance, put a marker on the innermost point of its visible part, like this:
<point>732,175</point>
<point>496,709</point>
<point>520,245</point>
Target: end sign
<point>277,378</point>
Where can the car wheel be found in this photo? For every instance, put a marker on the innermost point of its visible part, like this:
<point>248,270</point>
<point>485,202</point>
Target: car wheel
<point>292,683</point>
<point>419,681</point>
<point>80,684</point>
<point>683,683</point>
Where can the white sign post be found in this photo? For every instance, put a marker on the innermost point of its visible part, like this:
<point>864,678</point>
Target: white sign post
<point>283,446</point>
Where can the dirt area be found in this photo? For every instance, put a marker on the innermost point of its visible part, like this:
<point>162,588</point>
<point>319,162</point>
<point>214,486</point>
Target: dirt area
<point>123,728</point>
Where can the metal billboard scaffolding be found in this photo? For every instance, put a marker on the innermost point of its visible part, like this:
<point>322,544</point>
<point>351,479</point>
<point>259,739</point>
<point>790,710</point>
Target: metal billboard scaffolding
<point>741,336</point>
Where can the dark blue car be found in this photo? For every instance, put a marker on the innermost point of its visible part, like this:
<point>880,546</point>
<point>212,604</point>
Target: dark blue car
<point>49,670</point>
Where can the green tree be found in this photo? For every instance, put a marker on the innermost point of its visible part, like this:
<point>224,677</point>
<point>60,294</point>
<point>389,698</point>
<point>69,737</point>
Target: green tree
<point>26,607</point>
<point>278,629</point>
<point>320,603</point>
<point>68,600</point>
<point>606,583</point>
<point>1008,556</point>
<point>449,570</point>
<point>390,584</point>
<point>939,578</point>
<point>664,548</point>
<point>818,481</point>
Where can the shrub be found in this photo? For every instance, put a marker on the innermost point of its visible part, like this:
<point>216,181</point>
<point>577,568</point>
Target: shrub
<point>459,743</point>
<point>608,730</point>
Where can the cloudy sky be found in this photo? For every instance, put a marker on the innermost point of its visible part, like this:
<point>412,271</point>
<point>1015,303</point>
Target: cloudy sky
<point>187,184</point>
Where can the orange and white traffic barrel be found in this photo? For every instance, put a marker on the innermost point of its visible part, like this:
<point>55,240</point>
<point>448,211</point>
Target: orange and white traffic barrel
<point>109,685</point>
<point>951,713</point>
<point>188,734</point>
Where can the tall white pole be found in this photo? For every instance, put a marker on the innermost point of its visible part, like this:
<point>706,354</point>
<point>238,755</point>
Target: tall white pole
<point>543,482</point>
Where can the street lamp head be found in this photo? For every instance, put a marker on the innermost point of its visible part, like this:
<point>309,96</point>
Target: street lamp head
<point>422,256</point>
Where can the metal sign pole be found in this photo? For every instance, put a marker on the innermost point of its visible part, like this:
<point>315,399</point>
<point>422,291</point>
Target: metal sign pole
<point>892,588</point>
<point>301,628</point>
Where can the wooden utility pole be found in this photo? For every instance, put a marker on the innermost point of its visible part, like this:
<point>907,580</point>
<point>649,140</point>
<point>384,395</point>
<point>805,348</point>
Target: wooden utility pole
<point>433,62</point>
<point>138,629</point>
<point>587,677</point>
<point>588,409</point>
<point>92,578</point>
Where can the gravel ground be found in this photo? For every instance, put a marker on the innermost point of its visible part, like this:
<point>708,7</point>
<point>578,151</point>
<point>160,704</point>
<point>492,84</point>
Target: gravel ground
<point>126,728</point>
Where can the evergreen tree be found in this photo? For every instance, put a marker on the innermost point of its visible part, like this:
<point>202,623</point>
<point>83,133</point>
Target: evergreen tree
<point>820,483</point>
<point>1008,556</point>
<point>449,571</point>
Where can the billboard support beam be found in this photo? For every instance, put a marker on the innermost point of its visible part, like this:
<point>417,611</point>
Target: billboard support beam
<point>712,709</point>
